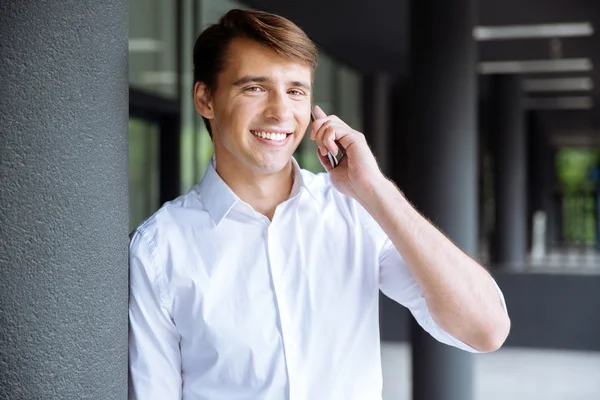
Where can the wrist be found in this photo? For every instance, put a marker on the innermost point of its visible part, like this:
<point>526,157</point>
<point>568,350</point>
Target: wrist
<point>376,191</point>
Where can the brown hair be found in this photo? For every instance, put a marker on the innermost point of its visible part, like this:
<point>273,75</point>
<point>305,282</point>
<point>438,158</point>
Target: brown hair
<point>274,31</point>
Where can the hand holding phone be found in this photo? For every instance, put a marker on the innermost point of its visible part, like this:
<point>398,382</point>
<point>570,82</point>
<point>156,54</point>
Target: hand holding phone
<point>332,160</point>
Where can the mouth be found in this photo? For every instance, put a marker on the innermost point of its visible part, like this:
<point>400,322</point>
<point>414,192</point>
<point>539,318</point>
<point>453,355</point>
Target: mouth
<point>272,136</point>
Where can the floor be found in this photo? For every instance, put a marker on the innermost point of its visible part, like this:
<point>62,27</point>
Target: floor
<point>509,374</point>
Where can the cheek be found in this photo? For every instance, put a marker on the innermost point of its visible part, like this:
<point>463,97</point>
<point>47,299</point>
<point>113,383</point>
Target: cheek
<point>243,110</point>
<point>303,120</point>
<point>232,116</point>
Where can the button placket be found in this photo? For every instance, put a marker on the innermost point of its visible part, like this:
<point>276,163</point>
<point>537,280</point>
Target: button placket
<point>275,265</point>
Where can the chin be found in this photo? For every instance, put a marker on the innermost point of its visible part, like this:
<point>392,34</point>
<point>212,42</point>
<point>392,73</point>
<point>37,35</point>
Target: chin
<point>271,166</point>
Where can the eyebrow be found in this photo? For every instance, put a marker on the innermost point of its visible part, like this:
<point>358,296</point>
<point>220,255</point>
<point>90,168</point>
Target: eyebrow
<point>265,79</point>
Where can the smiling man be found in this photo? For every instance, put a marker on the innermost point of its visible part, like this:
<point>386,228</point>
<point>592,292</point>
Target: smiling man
<point>262,282</point>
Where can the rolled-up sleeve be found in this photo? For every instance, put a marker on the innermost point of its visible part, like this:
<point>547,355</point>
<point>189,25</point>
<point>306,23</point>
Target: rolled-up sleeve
<point>154,353</point>
<point>397,282</point>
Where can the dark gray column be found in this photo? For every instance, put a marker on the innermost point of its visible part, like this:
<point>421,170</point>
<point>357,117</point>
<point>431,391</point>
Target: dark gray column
<point>510,170</point>
<point>443,162</point>
<point>63,199</point>
<point>377,97</point>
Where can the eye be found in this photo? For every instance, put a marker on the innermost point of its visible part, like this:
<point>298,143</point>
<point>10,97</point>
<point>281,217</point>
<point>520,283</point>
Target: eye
<point>296,92</point>
<point>254,89</point>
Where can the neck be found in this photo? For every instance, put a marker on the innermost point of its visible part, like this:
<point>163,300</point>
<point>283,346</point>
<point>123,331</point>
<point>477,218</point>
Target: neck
<point>263,192</point>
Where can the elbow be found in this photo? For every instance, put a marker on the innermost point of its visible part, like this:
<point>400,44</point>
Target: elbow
<point>494,335</point>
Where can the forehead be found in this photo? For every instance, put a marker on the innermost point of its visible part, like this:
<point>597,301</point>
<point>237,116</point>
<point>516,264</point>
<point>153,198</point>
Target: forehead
<point>245,56</point>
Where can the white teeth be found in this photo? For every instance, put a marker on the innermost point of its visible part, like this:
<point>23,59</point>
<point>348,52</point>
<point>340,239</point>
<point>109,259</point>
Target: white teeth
<point>270,136</point>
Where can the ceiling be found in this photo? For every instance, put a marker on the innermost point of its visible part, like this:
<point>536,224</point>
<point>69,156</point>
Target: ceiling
<point>360,32</point>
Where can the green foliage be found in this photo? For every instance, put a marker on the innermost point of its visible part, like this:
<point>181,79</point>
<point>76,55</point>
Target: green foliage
<point>575,174</point>
<point>574,169</point>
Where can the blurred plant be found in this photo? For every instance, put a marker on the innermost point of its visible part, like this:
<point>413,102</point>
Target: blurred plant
<point>575,168</point>
<point>578,175</point>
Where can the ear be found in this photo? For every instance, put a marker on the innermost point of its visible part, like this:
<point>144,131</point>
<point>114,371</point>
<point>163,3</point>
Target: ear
<point>202,101</point>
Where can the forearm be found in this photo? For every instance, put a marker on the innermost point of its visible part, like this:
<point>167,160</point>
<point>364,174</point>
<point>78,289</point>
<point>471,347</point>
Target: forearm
<point>460,294</point>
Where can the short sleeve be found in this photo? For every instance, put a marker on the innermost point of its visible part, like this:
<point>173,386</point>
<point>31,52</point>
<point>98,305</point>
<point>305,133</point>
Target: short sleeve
<point>397,282</point>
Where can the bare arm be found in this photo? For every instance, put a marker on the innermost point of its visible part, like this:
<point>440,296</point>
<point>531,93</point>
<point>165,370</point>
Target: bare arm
<point>460,294</point>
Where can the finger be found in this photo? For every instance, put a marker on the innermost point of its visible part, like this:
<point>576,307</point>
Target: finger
<point>318,134</point>
<point>319,113</point>
<point>329,140</point>
<point>324,135</point>
<point>320,118</point>
<point>335,118</point>
<point>324,161</point>
<point>316,125</point>
<point>346,136</point>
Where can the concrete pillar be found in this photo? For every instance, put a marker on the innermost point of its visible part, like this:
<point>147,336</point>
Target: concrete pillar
<point>377,97</point>
<point>63,202</point>
<point>507,128</point>
<point>443,162</point>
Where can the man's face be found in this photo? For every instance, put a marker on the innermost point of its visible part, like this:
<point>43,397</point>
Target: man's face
<point>260,109</point>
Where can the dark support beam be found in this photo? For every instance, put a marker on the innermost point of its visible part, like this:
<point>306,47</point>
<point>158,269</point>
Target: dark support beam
<point>507,128</point>
<point>443,159</point>
<point>63,199</point>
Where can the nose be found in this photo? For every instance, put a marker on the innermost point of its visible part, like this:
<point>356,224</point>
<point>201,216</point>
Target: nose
<point>279,107</point>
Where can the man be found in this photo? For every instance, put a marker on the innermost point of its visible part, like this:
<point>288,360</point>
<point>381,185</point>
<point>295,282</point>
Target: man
<point>262,282</point>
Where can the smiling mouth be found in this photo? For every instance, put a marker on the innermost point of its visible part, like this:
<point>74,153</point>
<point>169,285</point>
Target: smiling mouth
<point>276,137</point>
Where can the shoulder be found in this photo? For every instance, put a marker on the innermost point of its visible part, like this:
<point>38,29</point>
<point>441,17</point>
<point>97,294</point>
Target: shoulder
<point>320,185</point>
<point>172,219</point>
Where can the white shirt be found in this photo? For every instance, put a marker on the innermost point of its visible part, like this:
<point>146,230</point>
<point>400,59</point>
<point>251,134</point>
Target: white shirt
<point>226,304</point>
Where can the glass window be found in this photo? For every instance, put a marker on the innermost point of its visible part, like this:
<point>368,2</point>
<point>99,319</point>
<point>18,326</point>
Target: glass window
<point>189,123</point>
<point>144,171</point>
<point>213,10</point>
<point>153,46</point>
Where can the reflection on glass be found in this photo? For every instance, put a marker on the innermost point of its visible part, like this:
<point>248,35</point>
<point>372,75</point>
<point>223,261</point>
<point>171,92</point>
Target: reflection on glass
<point>153,47</point>
<point>213,10</point>
<point>144,171</point>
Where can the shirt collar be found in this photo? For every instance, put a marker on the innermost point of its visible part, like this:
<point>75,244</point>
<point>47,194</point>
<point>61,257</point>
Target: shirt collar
<point>219,199</point>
